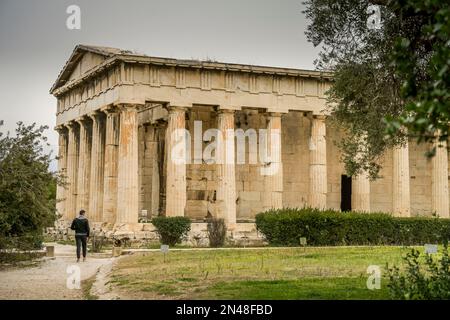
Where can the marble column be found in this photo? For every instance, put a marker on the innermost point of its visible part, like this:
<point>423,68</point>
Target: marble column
<point>318,164</point>
<point>439,180</point>
<point>175,168</point>
<point>400,181</point>
<point>128,168</point>
<point>84,165</point>
<point>150,170</point>
<point>97,168</point>
<point>72,170</point>
<point>61,195</point>
<point>273,177</point>
<point>361,192</point>
<point>111,166</point>
<point>361,186</point>
<point>225,169</point>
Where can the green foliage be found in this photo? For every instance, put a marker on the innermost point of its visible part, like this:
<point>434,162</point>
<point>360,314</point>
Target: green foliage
<point>385,80</point>
<point>330,227</point>
<point>171,230</point>
<point>18,257</point>
<point>20,248</point>
<point>25,242</point>
<point>428,280</point>
<point>423,65</point>
<point>217,231</point>
<point>27,187</point>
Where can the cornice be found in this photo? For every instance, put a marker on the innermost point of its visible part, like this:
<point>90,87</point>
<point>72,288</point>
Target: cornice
<point>190,64</point>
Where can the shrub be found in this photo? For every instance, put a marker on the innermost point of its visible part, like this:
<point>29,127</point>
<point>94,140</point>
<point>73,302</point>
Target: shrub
<point>20,248</point>
<point>331,227</point>
<point>26,242</point>
<point>418,283</point>
<point>217,231</point>
<point>171,230</point>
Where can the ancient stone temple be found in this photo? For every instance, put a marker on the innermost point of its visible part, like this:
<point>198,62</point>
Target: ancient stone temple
<point>117,114</point>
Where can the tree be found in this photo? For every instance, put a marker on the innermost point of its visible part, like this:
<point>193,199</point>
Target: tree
<point>387,78</point>
<point>425,76</point>
<point>27,187</point>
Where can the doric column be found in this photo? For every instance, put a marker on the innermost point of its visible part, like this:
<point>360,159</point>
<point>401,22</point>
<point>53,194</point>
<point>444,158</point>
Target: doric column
<point>439,180</point>
<point>111,166</point>
<point>225,168</point>
<point>61,195</point>
<point>318,164</point>
<point>72,170</point>
<point>400,181</point>
<point>128,179</point>
<point>273,177</point>
<point>97,168</point>
<point>361,193</point>
<point>361,185</point>
<point>84,165</point>
<point>176,169</point>
<point>150,170</point>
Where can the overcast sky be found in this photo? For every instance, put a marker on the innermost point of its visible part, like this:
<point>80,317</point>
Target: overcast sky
<point>35,42</point>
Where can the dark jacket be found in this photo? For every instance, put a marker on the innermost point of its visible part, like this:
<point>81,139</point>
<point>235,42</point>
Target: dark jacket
<point>81,226</point>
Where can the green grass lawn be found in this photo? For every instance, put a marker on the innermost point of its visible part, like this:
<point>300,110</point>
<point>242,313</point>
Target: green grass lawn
<point>270,273</point>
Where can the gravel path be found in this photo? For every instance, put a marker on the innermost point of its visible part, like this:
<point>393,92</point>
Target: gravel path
<point>48,281</point>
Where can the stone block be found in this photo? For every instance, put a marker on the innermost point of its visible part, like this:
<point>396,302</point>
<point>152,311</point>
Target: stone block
<point>196,185</point>
<point>49,251</point>
<point>211,185</point>
<point>196,208</point>
<point>250,195</point>
<point>196,195</point>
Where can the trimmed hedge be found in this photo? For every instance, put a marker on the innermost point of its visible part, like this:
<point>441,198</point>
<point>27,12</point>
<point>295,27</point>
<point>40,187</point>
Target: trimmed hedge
<point>171,230</point>
<point>330,227</point>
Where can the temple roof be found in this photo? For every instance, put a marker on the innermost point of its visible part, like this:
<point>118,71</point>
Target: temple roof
<point>75,57</point>
<point>112,54</point>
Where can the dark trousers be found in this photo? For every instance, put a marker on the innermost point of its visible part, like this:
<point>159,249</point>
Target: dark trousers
<point>81,242</point>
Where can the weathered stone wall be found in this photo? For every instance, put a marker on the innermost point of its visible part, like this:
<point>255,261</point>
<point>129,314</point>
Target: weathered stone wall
<point>249,181</point>
<point>381,189</point>
<point>335,168</point>
<point>420,171</point>
<point>201,180</point>
<point>295,128</point>
<point>148,170</point>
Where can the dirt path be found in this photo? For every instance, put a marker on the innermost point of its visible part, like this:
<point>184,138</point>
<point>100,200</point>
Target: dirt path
<point>48,281</point>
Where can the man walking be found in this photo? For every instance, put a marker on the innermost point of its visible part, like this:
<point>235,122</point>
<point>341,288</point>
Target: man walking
<point>81,226</point>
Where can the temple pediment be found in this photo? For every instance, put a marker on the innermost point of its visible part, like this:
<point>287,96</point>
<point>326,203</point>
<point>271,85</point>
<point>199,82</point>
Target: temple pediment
<point>83,59</point>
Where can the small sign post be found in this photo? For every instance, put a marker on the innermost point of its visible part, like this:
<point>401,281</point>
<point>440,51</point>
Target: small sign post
<point>431,248</point>
<point>303,243</point>
<point>164,250</point>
